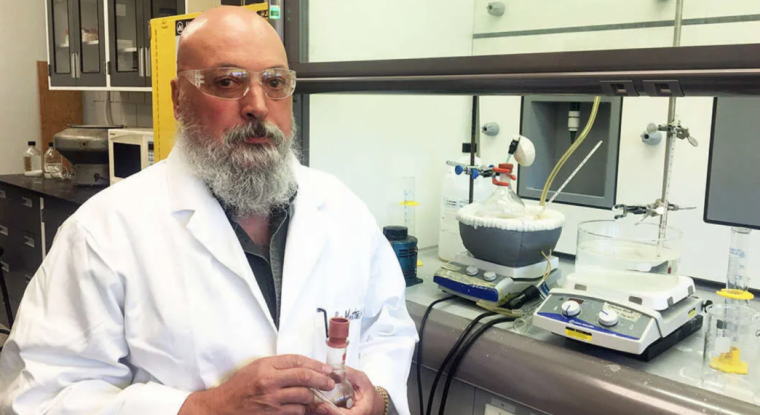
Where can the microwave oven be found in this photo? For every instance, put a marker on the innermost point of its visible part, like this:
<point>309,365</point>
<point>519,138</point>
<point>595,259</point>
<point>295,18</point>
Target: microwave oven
<point>129,151</point>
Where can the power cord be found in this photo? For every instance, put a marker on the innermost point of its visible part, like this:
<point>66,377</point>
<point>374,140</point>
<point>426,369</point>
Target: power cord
<point>460,355</point>
<point>419,346</point>
<point>449,356</point>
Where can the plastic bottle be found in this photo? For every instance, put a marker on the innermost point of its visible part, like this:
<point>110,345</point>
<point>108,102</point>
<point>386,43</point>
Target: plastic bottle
<point>32,161</point>
<point>455,194</point>
<point>53,162</point>
<point>337,343</point>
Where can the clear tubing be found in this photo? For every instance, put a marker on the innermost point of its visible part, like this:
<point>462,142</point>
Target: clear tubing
<point>571,150</point>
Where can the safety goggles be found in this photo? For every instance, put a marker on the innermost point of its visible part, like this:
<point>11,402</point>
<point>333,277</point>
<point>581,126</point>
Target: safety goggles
<point>234,83</point>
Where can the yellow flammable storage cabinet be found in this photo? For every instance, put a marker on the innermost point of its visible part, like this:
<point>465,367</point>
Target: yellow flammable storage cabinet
<point>165,34</point>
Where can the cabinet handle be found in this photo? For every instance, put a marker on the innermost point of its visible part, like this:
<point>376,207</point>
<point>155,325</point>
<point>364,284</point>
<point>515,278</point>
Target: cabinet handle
<point>4,266</point>
<point>73,67</point>
<point>147,62</point>
<point>27,202</point>
<point>2,194</point>
<point>141,63</point>
<point>77,66</point>
<point>3,230</point>
<point>28,241</point>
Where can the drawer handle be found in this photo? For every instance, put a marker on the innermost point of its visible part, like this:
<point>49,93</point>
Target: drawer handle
<point>2,194</point>
<point>28,241</point>
<point>3,230</point>
<point>6,269</point>
<point>27,202</point>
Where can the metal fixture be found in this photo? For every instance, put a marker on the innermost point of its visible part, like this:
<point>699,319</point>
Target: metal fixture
<point>496,8</point>
<point>491,129</point>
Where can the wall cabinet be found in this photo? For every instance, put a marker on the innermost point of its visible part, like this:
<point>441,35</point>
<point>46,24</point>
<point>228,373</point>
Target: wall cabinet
<point>129,38</point>
<point>105,44</point>
<point>76,43</point>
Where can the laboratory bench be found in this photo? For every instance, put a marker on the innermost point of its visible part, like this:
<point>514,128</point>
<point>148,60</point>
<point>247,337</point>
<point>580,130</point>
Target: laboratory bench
<point>31,210</point>
<point>520,373</point>
<point>533,371</point>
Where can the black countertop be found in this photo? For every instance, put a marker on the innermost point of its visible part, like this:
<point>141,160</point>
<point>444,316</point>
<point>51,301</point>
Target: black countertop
<point>64,190</point>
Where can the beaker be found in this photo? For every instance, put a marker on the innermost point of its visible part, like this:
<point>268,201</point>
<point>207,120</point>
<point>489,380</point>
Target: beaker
<point>626,249</point>
<point>731,360</point>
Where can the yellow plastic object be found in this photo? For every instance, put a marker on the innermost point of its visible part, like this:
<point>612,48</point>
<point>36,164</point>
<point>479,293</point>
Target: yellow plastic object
<point>409,203</point>
<point>419,263</point>
<point>736,294</point>
<point>730,362</point>
<point>164,39</point>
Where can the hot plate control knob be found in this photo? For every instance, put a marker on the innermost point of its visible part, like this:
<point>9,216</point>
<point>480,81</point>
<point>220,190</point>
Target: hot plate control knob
<point>608,318</point>
<point>571,308</point>
<point>472,271</point>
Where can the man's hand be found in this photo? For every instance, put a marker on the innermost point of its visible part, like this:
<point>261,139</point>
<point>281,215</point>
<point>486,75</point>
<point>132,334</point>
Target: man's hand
<point>271,385</point>
<point>367,401</point>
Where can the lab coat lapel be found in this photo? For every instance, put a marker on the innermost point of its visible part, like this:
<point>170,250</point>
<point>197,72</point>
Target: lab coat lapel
<point>192,203</point>
<point>307,234</point>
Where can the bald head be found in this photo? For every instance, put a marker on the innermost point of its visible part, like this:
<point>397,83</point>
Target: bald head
<point>225,36</point>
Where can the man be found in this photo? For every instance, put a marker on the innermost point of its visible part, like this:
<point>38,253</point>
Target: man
<point>202,285</point>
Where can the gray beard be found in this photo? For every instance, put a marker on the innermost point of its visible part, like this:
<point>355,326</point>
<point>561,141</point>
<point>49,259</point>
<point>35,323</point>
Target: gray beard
<point>247,179</point>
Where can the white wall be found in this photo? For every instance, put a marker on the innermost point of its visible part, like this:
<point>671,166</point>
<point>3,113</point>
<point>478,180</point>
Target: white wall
<point>372,141</point>
<point>132,109</point>
<point>22,44</point>
<point>640,166</point>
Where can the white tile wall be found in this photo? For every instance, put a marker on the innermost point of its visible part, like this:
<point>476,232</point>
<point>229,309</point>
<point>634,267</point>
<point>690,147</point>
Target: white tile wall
<point>133,109</point>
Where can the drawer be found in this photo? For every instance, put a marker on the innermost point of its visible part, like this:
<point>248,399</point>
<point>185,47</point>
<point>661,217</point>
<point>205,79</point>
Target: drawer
<point>24,210</point>
<point>3,201</point>
<point>26,247</point>
<point>5,235</point>
<point>16,280</point>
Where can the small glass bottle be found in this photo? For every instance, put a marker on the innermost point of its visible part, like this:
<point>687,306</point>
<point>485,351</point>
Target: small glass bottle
<point>53,162</point>
<point>337,343</point>
<point>32,161</point>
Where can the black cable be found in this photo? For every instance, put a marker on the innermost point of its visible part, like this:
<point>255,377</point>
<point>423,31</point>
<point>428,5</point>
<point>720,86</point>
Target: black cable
<point>419,346</point>
<point>461,353</point>
<point>450,355</point>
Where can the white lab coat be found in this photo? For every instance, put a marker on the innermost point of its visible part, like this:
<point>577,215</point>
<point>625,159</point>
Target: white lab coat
<point>146,295</point>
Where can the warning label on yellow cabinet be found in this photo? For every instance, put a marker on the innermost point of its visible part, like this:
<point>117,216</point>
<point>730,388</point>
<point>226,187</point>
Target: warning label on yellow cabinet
<point>577,334</point>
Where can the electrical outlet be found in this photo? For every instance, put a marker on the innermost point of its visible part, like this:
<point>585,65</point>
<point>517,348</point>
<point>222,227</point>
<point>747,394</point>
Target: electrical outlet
<point>495,410</point>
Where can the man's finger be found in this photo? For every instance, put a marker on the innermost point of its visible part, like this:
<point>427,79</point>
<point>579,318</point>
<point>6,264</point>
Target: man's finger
<point>290,361</point>
<point>293,409</point>
<point>301,377</point>
<point>297,395</point>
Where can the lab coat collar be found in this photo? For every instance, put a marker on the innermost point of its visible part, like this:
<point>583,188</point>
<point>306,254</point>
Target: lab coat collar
<point>193,204</point>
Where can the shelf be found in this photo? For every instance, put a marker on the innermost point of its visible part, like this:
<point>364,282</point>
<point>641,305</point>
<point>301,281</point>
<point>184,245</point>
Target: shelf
<point>63,46</point>
<point>128,50</point>
<point>91,43</point>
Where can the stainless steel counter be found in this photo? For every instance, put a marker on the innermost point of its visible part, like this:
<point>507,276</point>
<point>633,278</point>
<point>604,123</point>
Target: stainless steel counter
<point>580,378</point>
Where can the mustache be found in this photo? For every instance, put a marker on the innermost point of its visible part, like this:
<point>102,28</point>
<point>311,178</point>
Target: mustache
<point>259,129</point>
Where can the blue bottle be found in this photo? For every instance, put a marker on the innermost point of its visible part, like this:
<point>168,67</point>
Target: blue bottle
<point>405,247</point>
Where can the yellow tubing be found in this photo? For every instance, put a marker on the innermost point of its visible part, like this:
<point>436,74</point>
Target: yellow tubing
<point>571,150</point>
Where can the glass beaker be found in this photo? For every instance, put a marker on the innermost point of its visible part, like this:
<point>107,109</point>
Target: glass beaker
<point>731,360</point>
<point>610,246</point>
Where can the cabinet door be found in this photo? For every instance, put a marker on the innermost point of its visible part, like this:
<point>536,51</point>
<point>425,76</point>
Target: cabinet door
<point>125,19</point>
<point>60,55</point>
<point>89,50</point>
<point>155,9</point>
